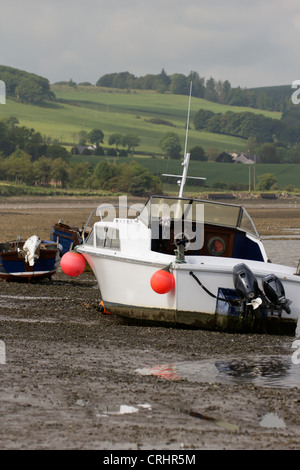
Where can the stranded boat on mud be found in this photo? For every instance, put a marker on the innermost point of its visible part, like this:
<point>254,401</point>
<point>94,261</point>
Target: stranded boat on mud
<point>192,262</point>
<point>24,260</point>
<point>68,236</point>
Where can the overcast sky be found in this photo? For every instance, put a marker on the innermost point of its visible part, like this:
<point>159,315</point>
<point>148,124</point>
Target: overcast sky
<point>248,42</point>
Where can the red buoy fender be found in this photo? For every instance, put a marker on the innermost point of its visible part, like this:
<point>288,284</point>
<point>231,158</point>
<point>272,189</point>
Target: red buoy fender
<point>162,281</point>
<point>73,264</point>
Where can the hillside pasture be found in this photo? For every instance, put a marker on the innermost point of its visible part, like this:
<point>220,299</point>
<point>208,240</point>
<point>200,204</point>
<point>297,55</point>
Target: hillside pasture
<point>87,108</point>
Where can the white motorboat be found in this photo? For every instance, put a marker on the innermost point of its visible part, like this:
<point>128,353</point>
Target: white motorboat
<point>191,262</point>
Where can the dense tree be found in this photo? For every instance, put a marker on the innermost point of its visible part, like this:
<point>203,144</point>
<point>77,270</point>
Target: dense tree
<point>268,154</point>
<point>272,98</point>
<point>129,178</point>
<point>131,140</point>
<point>245,125</point>
<point>170,145</point>
<point>198,87</point>
<point>96,136</point>
<point>179,84</point>
<point>57,151</point>
<point>103,174</point>
<point>136,180</point>
<point>201,118</point>
<point>27,87</point>
<point>42,170</point>
<point>116,139</point>
<point>198,153</point>
<point>266,182</point>
<point>32,91</point>
<point>19,168</point>
<point>210,90</point>
<point>163,82</point>
<point>79,174</point>
<point>59,172</point>
<point>117,80</point>
<point>223,90</point>
<point>293,154</point>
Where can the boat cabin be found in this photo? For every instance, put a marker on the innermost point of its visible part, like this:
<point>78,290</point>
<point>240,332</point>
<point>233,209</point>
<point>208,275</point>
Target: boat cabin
<point>182,227</point>
<point>204,228</point>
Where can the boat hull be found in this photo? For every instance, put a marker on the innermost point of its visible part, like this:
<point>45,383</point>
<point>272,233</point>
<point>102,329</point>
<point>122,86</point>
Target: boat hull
<point>202,320</point>
<point>14,267</point>
<point>126,291</point>
<point>68,237</point>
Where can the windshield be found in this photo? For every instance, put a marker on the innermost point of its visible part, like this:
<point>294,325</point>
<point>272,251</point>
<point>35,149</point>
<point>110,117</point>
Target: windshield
<point>193,210</point>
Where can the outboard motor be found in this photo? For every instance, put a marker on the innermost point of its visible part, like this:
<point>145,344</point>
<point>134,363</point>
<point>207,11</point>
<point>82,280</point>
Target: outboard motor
<point>246,284</point>
<point>274,291</point>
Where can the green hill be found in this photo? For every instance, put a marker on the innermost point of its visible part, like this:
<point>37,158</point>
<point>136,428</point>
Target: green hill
<point>86,108</point>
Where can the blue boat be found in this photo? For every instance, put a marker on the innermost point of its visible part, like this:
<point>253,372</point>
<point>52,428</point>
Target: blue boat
<point>66,235</point>
<point>25,260</point>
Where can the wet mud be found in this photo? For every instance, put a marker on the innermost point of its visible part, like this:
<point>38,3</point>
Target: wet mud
<point>73,378</point>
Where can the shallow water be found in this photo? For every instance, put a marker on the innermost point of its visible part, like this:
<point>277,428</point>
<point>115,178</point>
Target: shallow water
<point>286,251</point>
<point>266,371</point>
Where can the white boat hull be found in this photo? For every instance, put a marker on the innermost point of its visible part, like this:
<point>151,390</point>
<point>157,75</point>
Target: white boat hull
<point>126,291</point>
<point>201,244</point>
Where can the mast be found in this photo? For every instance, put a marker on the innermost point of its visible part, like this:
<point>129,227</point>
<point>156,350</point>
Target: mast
<point>188,120</point>
<point>186,157</point>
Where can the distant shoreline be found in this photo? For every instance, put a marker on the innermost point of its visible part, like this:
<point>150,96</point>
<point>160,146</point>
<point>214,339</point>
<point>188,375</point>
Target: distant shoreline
<point>13,202</point>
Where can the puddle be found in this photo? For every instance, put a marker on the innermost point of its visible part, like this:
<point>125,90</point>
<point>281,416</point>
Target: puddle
<point>266,371</point>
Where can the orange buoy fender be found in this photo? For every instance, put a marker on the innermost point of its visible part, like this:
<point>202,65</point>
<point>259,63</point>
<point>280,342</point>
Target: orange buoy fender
<point>162,281</point>
<point>72,264</point>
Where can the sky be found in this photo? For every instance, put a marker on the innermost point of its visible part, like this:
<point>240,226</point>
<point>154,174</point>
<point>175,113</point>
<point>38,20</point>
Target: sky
<point>251,43</point>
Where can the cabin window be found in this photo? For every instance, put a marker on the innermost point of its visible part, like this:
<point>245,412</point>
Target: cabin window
<point>216,246</point>
<point>107,237</point>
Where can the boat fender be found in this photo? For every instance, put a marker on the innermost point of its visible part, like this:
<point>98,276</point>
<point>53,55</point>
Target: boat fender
<point>162,281</point>
<point>73,264</point>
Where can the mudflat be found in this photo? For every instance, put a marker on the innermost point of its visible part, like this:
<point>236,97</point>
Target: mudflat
<point>74,378</point>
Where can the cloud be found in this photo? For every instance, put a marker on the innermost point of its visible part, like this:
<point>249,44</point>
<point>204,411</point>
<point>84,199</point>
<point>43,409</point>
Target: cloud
<point>250,43</point>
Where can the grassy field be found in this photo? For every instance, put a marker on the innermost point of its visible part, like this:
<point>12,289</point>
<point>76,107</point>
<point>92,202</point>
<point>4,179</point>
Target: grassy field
<point>112,111</point>
<point>86,108</point>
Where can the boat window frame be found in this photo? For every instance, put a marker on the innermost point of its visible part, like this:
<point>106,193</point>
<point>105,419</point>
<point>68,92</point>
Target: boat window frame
<point>111,238</point>
<point>110,241</point>
<point>242,220</point>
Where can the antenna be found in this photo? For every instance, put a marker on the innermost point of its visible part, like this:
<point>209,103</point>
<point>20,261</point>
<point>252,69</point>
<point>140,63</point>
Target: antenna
<point>186,157</point>
<point>188,120</point>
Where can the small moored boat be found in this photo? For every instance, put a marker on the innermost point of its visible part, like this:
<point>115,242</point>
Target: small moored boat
<point>68,236</point>
<point>24,260</point>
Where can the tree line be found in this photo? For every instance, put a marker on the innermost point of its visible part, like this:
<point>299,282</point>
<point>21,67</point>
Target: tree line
<point>31,88</point>
<point>25,87</point>
<point>26,157</point>
<point>280,135</point>
<point>218,91</point>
